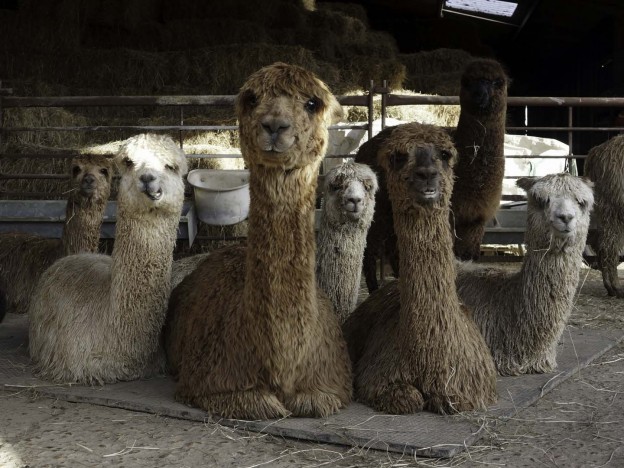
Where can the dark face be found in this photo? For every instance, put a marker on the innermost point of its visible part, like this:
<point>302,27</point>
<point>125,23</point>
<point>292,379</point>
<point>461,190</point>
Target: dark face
<point>419,171</point>
<point>481,91</point>
<point>483,87</point>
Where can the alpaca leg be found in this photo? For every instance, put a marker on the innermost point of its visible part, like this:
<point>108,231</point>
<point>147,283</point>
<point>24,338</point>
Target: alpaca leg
<point>392,398</point>
<point>369,265</point>
<point>248,404</point>
<point>468,238</point>
<point>609,257</point>
<point>314,404</point>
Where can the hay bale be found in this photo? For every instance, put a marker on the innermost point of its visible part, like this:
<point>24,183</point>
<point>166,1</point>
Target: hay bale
<point>192,33</point>
<point>436,71</point>
<point>353,10</point>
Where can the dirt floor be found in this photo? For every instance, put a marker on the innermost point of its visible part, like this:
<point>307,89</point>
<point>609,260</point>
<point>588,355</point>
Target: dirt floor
<point>579,424</point>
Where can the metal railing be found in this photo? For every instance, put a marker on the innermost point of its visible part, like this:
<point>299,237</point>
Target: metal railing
<point>388,99</point>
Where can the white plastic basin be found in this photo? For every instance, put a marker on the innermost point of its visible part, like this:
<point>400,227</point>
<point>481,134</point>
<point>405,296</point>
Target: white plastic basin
<point>221,196</point>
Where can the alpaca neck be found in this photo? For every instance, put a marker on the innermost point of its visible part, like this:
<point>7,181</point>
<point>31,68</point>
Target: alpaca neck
<point>141,274</point>
<point>83,219</point>
<point>555,268</point>
<point>479,132</point>
<point>280,278</point>
<point>340,249</point>
<point>427,281</point>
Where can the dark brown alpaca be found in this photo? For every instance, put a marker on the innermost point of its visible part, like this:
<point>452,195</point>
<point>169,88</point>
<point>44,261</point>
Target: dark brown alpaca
<point>250,334</point>
<point>479,140</point>
<point>411,345</point>
<point>605,167</point>
<point>381,238</point>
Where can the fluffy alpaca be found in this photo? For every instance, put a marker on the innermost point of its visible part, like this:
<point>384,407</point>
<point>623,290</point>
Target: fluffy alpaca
<point>348,207</point>
<point>411,345</point>
<point>479,140</point>
<point>250,335</point>
<point>24,257</point>
<point>522,315</point>
<point>97,319</point>
<point>605,167</point>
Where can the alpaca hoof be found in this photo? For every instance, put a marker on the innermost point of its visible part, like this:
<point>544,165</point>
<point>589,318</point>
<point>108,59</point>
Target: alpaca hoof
<point>397,398</point>
<point>315,404</point>
<point>248,405</point>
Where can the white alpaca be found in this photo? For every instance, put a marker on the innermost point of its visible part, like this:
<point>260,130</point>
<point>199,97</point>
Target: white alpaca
<point>97,319</point>
<point>522,315</point>
<point>348,207</point>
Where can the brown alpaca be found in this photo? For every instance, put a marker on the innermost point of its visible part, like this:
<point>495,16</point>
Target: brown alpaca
<point>605,167</point>
<point>250,335</point>
<point>24,257</point>
<point>411,345</point>
<point>479,140</point>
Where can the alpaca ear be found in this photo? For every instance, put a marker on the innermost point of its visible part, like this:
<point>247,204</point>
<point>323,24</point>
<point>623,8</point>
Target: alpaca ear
<point>526,182</point>
<point>336,113</point>
<point>587,181</point>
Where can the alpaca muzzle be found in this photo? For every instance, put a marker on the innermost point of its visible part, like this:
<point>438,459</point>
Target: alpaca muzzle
<point>150,187</point>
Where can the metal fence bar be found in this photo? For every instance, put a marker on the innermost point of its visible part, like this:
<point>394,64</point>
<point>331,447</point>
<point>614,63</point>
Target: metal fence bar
<point>119,101</point>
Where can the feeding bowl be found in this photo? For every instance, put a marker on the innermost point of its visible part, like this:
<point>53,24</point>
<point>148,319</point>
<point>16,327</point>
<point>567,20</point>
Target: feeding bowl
<point>221,196</point>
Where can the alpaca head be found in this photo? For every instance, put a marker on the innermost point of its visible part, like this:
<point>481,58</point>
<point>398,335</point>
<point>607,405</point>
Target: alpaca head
<point>349,194</point>
<point>418,161</point>
<point>151,168</point>
<point>91,177</point>
<point>283,113</point>
<point>484,87</point>
<point>558,210</point>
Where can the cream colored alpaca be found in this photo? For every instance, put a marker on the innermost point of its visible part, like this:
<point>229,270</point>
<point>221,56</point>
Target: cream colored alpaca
<point>24,257</point>
<point>97,319</point>
<point>250,335</point>
<point>348,207</point>
<point>522,315</point>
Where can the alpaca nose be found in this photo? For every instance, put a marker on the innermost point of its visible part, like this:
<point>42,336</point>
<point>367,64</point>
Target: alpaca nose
<point>566,217</point>
<point>274,126</point>
<point>356,202</point>
<point>89,179</point>
<point>147,178</point>
<point>426,173</point>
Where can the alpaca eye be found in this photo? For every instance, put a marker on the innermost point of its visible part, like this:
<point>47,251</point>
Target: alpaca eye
<point>398,160</point>
<point>445,155</point>
<point>313,105</point>
<point>334,187</point>
<point>104,172</point>
<point>171,168</point>
<point>541,202</point>
<point>250,99</point>
<point>582,204</point>
<point>498,83</point>
<point>75,170</point>
<point>368,185</point>
<point>128,162</point>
